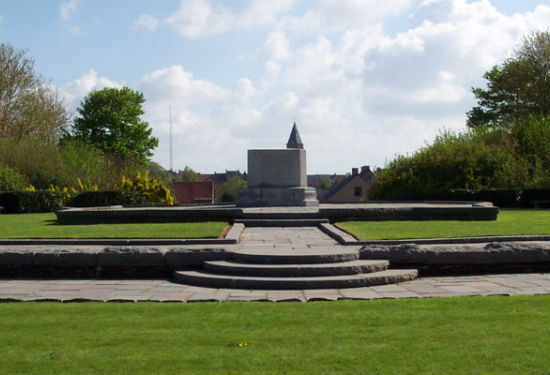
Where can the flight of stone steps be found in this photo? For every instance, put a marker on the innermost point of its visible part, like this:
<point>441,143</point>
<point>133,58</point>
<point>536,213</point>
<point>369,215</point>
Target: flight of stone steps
<point>332,267</point>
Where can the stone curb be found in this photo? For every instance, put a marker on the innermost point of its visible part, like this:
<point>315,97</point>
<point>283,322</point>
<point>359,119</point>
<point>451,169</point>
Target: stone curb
<point>337,234</point>
<point>119,242</point>
<point>234,233</point>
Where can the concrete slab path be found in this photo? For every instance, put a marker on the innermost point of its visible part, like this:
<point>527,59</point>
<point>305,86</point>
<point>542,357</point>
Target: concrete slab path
<point>167,291</point>
<point>261,239</point>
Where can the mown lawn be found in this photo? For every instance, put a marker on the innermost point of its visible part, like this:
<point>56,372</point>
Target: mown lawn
<point>508,223</point>
<point>466,335</point>
<point>45,226</point>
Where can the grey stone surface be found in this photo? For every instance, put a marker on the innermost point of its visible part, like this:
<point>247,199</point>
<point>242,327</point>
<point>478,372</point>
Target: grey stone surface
<point>278,196</point>
<point>130,256</point>
<point>17,255</point>
<point>235,232</point>
<point>331,211</point>
<point>281,168</point>
<point>183,256</point>
<point>213,280</point>
<point>337,234</point>
<point>491,253</point>
<point>66,257</point>
<point>296,270</point>
<point>166,291</point>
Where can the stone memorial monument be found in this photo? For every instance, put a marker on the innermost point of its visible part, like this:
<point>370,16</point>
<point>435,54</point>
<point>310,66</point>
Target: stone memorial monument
<point>277,177</point>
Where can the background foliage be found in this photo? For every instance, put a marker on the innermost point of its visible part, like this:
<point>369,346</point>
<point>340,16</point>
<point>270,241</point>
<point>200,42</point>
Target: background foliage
<point>506,144</point>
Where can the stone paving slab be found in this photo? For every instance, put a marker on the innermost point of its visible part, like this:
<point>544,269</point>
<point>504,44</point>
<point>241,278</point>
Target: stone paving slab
<point>156,290</point>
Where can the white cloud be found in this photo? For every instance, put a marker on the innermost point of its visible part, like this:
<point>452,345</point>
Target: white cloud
<point>145,22</point>
<point>277,46</point>
<point>197,18</point>
<point>359,97</point>
<point>68,8</point>
<point>334,15</point>
<point>73,92</point>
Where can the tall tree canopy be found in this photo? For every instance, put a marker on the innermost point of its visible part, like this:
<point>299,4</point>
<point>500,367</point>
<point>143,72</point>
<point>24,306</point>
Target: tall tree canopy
<point>517,88</point>
<point>28,107</point>
<point>110,120</point>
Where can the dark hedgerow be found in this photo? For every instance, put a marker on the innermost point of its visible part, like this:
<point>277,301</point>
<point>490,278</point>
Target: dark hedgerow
<point>31,201</point>
<point>108,198</point>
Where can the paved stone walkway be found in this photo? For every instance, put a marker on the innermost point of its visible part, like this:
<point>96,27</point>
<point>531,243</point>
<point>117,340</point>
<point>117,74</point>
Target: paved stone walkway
<point>285,238</point>
<point>166,291</point>
<point>263,239</point>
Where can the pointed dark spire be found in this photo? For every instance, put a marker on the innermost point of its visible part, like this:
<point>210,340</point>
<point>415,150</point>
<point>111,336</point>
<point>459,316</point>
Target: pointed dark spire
<point>294,141</point>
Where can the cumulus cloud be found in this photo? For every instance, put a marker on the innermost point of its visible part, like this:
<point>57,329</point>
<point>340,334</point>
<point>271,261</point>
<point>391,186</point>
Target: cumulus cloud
<point>68,8</point>
<point>334,15</point>
<point>360,95</point>
<point>197,18</point>
<point>277,46</point>
<point>145,22</point>
<point>74,91</point>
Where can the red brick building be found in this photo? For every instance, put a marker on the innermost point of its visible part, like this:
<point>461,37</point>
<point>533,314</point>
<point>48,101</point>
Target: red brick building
<point>194,192</point>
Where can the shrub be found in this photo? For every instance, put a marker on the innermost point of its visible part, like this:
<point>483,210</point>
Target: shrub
<point>530,195</point>
<point>152,189</point>
<point>229,191</point>
<point>31,201</point>
<point>107,198</point>
<point>11,180</point>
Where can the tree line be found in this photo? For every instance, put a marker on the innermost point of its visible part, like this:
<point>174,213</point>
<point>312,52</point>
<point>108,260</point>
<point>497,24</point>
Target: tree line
<point>506,143</point>
<point>41,147</point>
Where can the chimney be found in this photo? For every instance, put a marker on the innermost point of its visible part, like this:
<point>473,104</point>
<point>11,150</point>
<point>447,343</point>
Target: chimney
<point>365,169</point>
<point>354,171</point>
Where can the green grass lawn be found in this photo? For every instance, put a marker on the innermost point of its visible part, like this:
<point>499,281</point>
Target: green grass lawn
<point>466,335</point>
<point>508,223</point>
<point>45,226</point>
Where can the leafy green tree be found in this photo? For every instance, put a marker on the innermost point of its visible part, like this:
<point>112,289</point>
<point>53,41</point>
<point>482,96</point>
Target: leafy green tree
<point>109,119</point>
<point>229,191</point>
<point>28,106</point>
<point>323,183</point>
<point>157,171</point>
<point>188,175</point>
<point>516,89</point>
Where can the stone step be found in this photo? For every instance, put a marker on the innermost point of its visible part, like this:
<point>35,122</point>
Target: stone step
<point>329,254</point>
<point>292,270</point>
<point>262,222</point>
<point>212,280</point>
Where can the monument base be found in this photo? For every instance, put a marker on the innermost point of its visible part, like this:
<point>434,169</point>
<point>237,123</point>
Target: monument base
<point>277,196</point>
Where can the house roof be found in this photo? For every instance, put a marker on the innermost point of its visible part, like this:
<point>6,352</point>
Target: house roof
<point>365,172</point>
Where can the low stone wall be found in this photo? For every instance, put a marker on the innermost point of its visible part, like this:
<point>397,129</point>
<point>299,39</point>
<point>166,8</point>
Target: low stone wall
<point>131,261</point>
<point>465,258</point>
<point>333,212</point>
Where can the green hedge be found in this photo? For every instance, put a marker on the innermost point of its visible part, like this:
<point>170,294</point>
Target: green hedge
<point>499,197</point>
<point>30,201</point>
<point>108,198</point>
<point>508,198</point>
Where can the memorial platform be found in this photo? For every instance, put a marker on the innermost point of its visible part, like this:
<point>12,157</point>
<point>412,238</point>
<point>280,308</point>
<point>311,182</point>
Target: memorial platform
<point>333,212</point>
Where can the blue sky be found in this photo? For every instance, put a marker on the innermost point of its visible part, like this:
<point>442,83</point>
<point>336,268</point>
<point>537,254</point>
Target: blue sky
<point>365,80</point>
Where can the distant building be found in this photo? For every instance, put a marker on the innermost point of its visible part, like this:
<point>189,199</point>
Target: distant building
<point>352,189</point>
<point>198,192</point>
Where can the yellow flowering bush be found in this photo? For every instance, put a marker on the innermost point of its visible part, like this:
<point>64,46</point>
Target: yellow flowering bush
<point>154,190</point>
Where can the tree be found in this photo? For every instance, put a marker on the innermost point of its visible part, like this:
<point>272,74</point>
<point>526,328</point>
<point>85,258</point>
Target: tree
<point>516,89</point>
<point>188,174</point>
<point>109,119</point>
<point>229,191</point>
<point>28,107</point>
